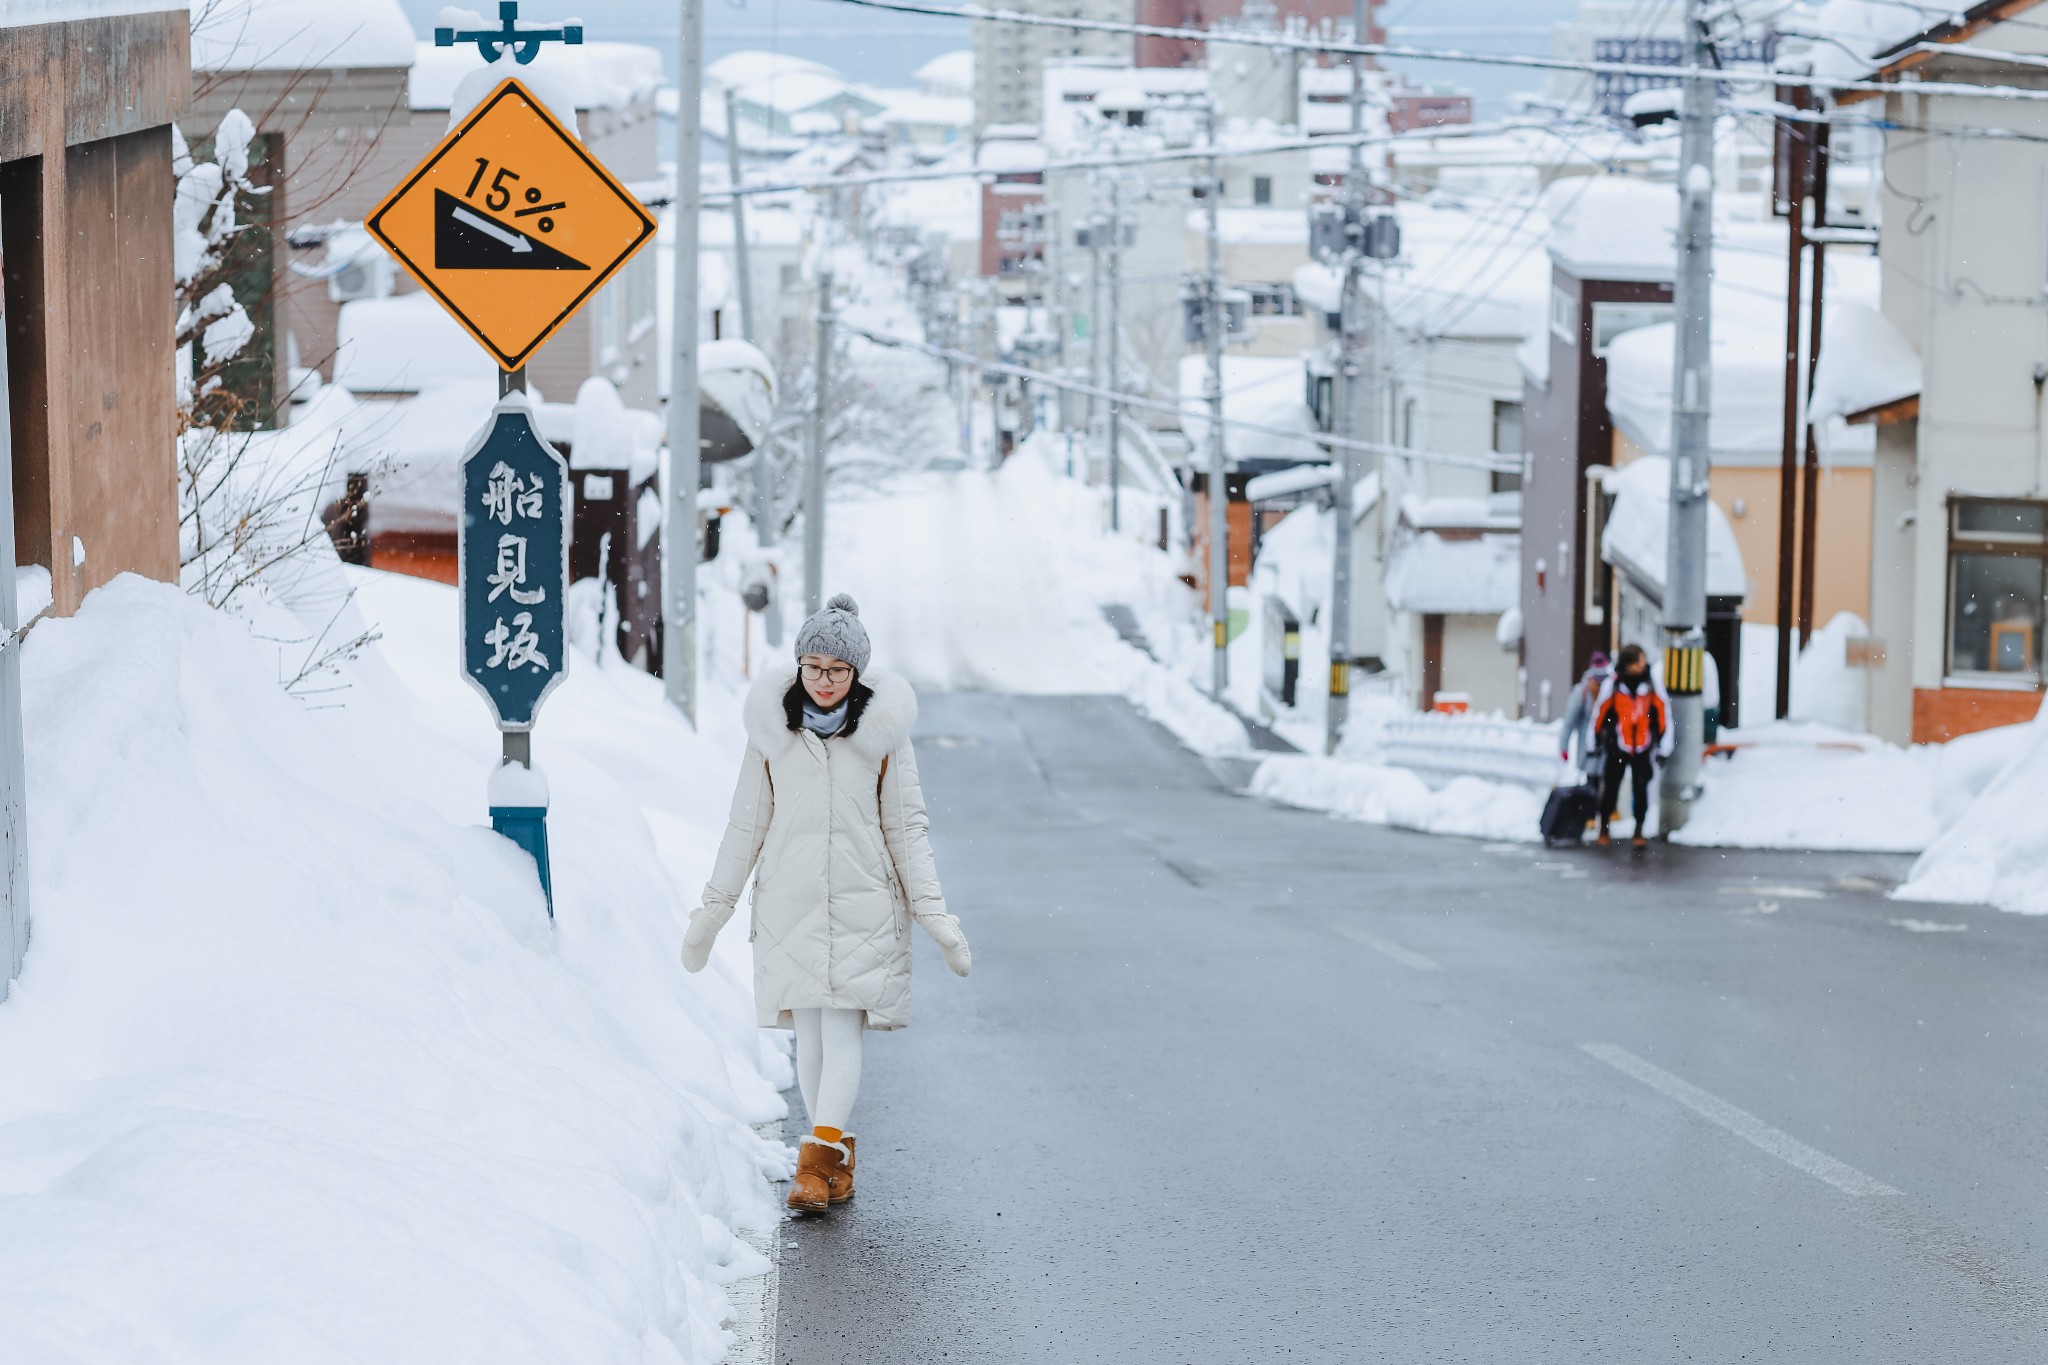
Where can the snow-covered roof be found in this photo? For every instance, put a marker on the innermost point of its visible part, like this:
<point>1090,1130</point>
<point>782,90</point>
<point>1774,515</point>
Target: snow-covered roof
<point>1865,362</point>
<point>404,343</point>
<point>1748,376</point>
<point>1612,227</point>
<point>1639,530</point>
<point>22,13</point>
<point>609,435</point>
<point>948,74</point>
<point>1268,390</point>
<point>592,76</point>
<point>1461,273</point>
<point>751,65</point>
<point>290,35</point>
<point>1254,226</point>
<point>913,108</point>
<point>1010,155</point>
<point>736,378</point>
<point>951,207</point>
<point>1461,576</point>
<point>1858,31</point>
<point>1493,512</point>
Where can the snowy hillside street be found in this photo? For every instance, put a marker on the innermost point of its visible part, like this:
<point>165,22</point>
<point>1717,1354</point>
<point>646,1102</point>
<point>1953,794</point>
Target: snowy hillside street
<point>889,682</point>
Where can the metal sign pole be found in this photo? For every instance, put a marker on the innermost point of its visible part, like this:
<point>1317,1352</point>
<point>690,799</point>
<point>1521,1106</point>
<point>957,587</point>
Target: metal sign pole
<point>13,769</point>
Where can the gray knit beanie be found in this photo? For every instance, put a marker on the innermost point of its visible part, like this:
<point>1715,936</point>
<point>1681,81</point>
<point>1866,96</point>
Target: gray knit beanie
<point>836,631</point>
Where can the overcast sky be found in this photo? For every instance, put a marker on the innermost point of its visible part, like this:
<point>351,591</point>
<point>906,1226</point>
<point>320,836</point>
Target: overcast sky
<point>884,49</point>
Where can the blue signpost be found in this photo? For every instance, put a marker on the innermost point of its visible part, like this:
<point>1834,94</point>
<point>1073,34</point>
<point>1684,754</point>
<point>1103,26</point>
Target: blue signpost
<point>513,551</point>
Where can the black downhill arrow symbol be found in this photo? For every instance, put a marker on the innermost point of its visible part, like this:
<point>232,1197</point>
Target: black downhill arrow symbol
<point>465,238</point>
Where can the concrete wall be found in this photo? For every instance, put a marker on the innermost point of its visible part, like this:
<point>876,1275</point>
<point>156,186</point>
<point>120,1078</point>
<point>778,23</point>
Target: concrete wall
<point>85,216</point>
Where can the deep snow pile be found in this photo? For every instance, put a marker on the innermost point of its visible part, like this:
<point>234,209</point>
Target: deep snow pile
<point>1990,794</point>
<point>298,1069</point>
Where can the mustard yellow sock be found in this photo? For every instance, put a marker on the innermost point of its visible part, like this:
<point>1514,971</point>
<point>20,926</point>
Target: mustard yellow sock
<point>828,1134</point>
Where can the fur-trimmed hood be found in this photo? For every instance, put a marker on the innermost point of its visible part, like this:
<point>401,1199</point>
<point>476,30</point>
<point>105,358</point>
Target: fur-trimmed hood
<point>884,723</point>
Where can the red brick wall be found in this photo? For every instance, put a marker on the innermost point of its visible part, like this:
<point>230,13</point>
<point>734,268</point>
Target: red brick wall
<point>1148,51</point>
<point>1942,713</point>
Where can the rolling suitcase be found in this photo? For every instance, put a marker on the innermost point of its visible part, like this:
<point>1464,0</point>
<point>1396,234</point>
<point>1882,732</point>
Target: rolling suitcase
<point>1567,813</point>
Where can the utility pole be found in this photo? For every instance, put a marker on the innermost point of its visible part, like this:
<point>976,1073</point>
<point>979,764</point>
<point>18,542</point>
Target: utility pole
<point>1219,515</point>
<point>1338,708</point>
<point>1685,574</point>
<point>764,492</point>
<point>814,458</point>
<point>1094,301</point>
<point>680,546</point>
<point>1116,350</point>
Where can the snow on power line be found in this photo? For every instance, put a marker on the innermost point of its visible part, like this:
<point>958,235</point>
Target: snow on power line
<point>1238,37</point>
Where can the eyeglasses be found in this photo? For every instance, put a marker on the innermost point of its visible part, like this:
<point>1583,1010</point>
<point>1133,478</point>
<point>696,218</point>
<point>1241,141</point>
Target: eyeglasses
<point>837,673</point>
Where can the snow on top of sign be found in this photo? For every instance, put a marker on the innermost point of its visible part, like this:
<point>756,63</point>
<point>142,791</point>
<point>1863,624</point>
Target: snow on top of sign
<point>589,76</point>
<point>291,35</point>
<point>1865,362</point>
<point>404,343</point>
<point>1638,530</point>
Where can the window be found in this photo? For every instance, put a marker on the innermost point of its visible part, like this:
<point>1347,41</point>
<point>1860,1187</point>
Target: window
<point>1507,440</point>
<point>1262,189</point>
<point>1564,316</point>
<point>1610,320</point>
<point>1272,300</point>
<point>1997,554</point>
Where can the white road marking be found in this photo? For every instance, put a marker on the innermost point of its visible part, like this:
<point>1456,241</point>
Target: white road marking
<point>755,1299</point>
<point>1742,1123</point>
<point>1407,957</point>
<point>1790,893</point>
<point>1928,926</point>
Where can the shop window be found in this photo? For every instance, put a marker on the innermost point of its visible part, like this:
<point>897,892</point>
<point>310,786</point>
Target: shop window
<point>1997,582</point>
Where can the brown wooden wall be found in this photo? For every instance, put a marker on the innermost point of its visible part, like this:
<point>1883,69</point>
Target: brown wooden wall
<point>85,225</point>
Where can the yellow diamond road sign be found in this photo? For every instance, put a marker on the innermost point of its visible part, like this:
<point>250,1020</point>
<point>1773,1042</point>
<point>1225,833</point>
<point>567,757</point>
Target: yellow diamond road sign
<point>511,224</point>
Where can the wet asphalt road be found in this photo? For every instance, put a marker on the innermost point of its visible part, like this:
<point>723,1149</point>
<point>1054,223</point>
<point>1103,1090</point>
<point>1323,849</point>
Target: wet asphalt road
<point>1234,1083</point>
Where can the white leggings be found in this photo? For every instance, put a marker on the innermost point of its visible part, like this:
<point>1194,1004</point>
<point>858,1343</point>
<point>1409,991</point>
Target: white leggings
<point>828,1063</point>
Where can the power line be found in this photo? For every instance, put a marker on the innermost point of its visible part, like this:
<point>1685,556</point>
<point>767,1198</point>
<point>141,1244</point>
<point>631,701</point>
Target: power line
<point>1245,38</point>
<point>1093,163</point>
<point>1319,438</point>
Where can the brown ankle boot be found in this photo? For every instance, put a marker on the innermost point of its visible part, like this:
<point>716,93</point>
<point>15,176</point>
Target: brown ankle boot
<point>817,1161</point>
<point>841,1181</point>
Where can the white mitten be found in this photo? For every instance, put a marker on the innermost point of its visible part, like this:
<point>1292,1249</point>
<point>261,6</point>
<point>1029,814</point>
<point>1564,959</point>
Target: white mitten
<point>945,931</point>
<point>697,941</point>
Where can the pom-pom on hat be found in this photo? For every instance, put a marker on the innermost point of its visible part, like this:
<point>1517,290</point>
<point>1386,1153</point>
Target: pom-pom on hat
<point>836,631</point>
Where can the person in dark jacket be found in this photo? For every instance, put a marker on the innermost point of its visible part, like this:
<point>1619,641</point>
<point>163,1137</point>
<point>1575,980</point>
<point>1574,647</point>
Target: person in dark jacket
<point>1633,722</point>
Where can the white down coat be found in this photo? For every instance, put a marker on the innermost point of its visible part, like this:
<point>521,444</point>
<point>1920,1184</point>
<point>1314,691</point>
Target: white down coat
<point>836,832</point>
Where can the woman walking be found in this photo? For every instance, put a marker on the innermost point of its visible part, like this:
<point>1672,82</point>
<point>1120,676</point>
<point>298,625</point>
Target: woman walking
<point>829,808</point>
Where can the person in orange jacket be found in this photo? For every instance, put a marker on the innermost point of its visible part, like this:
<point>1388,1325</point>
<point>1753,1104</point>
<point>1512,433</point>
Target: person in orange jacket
<point>1633,722</point>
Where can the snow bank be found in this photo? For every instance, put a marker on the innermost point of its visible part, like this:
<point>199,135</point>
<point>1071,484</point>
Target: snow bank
<point>305,1073</point>
<point>1797,785</point>
<point>293,35</point>
<point>1395,796</point>
<point>1995,852</point>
